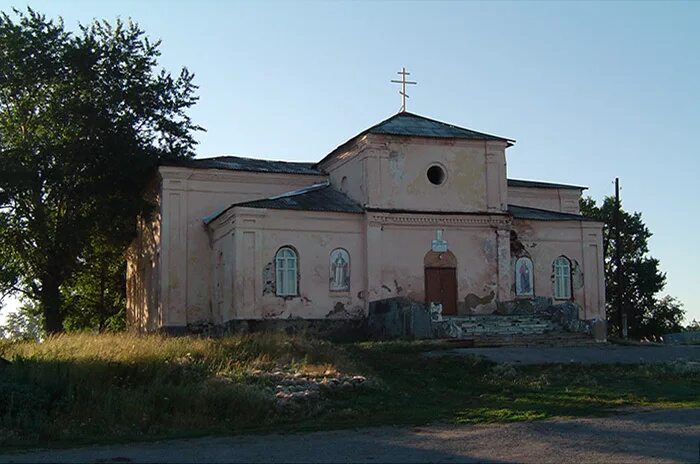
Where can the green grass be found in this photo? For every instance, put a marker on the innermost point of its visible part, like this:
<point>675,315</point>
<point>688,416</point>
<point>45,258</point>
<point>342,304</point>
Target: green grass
<point>78,389</point>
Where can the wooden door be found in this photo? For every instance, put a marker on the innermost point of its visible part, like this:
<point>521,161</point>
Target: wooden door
<point>441,287</point>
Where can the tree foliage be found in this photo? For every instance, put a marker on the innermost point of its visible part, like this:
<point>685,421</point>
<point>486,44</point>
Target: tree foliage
<point>94,297</point>
<point>84,118</point>
<point>23,324</point>
<point>647,315</point>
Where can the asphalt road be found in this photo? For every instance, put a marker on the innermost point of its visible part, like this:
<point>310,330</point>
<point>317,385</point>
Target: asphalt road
<point>588,354</point>
<point>643,436</point>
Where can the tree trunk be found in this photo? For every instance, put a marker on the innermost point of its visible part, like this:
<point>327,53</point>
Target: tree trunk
<point>51,305</point>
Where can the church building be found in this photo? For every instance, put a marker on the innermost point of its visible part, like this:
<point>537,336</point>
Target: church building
<point>411,207</point>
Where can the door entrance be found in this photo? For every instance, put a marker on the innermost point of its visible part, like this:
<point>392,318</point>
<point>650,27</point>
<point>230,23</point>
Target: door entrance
<point>441,287</point>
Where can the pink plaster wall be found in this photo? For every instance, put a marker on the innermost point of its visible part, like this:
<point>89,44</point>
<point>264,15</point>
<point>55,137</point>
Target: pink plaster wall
<point>396,170</point>
<point>250,238</point>
<point>390,173</point>
<point>582,243</point>
<point>181,272</point>
<point>553,199</point>
<point>397,245</point>
<point>188,196</point>
<point>143,309</point>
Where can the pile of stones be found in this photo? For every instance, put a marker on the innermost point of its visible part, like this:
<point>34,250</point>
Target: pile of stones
<point>297,388</point>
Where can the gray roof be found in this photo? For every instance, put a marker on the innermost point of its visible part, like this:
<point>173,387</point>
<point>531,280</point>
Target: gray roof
<point>237,163</point>
<point>317,197</point>
<point>538,184</point>
<point>413,125</point>
<point>525,212</point>
<point>410,124</point>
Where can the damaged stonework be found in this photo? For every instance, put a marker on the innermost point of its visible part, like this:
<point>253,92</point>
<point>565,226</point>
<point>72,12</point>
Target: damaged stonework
<point>404,318</point>
<point>341,311</point>
<point>522,306</point>
<point>472,301</point>
<point>329,329</point>
<point>517,249</point>
<point>397,318</point>
<point>576,275</point>
<point>567,314</point>
<point>268,279</point>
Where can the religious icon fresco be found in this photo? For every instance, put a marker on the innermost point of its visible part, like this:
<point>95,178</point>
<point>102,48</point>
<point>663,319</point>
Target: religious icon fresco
<point>340,270</point>
<point>524,277</point>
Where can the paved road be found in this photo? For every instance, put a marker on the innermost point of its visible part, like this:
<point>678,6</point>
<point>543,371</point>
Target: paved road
<point>588,354</point>
<point>644,436</point>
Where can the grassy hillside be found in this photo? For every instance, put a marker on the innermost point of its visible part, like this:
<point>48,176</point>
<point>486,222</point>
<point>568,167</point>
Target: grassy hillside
<point>75,389</point>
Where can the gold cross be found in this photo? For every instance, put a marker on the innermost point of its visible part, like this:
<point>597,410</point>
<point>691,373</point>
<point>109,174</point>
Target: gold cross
<point>403,83</point>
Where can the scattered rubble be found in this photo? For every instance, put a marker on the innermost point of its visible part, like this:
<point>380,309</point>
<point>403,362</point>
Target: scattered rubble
<point>297,388</point>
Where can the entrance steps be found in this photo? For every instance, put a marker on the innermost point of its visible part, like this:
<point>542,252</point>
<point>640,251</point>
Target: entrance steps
<point>511,330</point>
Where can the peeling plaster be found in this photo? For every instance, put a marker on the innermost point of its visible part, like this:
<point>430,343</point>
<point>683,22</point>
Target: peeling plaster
<point>471,301</point>
<point>517,249</point>
<point>576,275</point>
<point>397,162</point>
<point>268,278</point>
<point>489,249</point>
<point>337,311</point>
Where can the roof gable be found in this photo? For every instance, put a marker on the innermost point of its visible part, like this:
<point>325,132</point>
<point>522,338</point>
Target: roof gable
<point>405,124</point>
<point>409,124</point>
<point>316,197</point>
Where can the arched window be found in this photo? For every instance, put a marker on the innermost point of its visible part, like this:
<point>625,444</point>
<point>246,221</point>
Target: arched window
<point>286,267</point>
<point>562,278</point>
<point>340,270</point>
<point>524,277</point>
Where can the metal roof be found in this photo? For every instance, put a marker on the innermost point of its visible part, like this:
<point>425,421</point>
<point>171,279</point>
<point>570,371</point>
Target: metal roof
<point>238,163</point>
<point>317,197</point>
<point>538,184</point>
<point>410,124</point>
<point>525,212</point>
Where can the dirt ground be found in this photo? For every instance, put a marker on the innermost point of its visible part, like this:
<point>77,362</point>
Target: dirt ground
<point>655,436</point>
<point>587,354</point>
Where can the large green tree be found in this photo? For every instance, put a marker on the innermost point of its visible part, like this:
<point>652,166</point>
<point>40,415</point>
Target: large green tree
<point>642,280</point>
<point>84,118</point>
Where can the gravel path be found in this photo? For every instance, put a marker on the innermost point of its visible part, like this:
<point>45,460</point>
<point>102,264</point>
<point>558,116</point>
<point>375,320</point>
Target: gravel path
<point>588,354</point>
<point>643,436</point>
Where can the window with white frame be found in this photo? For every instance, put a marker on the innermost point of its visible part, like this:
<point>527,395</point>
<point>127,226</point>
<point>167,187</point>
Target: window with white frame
<point>562,278</point>
<point>286,266</point>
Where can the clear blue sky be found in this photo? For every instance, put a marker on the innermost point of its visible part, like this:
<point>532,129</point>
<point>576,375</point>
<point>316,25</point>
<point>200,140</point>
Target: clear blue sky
<point>590,91</point>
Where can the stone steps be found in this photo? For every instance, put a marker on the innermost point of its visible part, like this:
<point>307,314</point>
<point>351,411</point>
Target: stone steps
<point>510,330</point>
<point>490,325</point>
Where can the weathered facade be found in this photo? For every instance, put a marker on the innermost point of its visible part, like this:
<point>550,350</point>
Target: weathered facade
<point>411,207</point>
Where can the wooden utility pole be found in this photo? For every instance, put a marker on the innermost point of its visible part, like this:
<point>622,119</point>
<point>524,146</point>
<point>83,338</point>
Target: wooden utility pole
<point>618,262</point>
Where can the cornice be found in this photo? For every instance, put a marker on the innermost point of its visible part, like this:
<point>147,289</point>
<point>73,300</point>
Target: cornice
<point>498,221</point>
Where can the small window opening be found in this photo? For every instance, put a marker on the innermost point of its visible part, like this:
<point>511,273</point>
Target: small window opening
<point>436,175</point>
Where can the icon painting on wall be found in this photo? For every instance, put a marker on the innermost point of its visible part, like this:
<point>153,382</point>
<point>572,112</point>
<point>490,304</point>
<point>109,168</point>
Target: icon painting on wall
<point>340,270</point>
<point>524,277</point>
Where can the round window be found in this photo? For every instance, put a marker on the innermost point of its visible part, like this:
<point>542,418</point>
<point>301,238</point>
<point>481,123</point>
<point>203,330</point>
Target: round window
<point>436,175</point>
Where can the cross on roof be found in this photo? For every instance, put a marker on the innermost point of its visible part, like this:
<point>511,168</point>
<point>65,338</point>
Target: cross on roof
<point>403,83</point>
